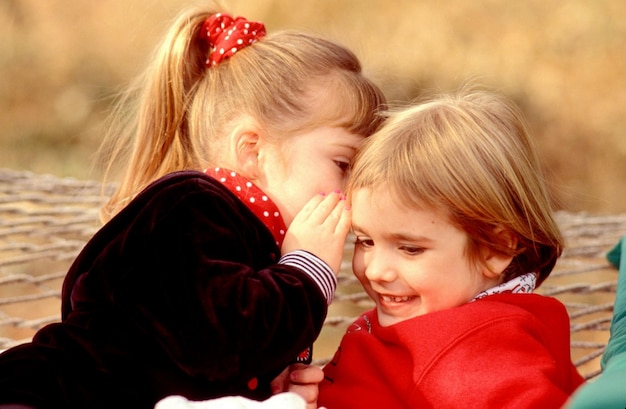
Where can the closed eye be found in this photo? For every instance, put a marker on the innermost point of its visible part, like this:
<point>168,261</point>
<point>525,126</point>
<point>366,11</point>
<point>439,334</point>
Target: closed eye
<point>412,250</point>
<point>363,242</point>
<point>344,166</point>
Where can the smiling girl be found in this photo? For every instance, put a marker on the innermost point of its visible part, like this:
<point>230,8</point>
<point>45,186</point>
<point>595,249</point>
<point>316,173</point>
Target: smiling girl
<point>454,231</point>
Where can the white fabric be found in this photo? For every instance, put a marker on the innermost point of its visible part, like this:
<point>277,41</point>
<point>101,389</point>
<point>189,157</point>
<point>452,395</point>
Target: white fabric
<point>525,283</point>
<point>287,400</point>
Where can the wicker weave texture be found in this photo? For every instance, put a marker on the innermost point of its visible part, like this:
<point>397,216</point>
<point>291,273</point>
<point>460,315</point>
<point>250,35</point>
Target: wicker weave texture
<point>46,220</point>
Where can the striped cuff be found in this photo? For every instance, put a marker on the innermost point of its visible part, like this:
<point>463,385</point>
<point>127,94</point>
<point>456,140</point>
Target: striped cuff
<point>317,269</point>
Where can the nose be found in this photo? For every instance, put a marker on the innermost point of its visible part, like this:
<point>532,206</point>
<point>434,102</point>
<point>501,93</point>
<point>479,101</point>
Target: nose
<point>379,267</point>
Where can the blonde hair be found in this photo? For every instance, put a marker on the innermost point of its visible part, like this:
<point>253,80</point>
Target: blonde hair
<point>175,116</point>
<point>469,155</point>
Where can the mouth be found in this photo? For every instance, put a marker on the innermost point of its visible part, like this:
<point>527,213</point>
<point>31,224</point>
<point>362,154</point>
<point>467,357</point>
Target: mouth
<point>394,299</point>
<point>396,308</point>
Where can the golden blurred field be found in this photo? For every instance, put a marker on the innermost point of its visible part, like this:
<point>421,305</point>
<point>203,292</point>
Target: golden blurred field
<point>564,62</point>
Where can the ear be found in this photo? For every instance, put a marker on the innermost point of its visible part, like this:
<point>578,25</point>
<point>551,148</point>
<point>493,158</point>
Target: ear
<point>495,262</point>
<point>245,139</point>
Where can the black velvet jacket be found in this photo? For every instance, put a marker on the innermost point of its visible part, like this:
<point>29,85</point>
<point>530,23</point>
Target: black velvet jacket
<point>180,293</point>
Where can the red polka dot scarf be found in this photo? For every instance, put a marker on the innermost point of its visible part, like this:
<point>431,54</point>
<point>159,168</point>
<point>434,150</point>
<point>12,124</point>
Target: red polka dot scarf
<point>253,197</point>
<point>227,35</point>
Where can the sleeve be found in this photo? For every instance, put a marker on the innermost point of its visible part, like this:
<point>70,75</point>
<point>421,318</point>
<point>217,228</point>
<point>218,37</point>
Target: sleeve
<point>318,270</point>
<point>193,270</point>
<point>509,361</point>
<point>607,391</point>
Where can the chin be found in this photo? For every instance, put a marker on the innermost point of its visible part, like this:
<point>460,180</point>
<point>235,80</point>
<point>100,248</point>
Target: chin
<point>386,320</point>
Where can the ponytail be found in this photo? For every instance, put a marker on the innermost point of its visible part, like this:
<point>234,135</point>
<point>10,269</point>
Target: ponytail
<point>159,132</point>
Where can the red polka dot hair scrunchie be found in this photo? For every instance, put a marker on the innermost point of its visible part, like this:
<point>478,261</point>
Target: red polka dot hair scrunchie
<point>226,35</point>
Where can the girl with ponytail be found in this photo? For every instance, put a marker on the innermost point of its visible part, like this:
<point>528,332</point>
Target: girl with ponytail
<point>220,249</point>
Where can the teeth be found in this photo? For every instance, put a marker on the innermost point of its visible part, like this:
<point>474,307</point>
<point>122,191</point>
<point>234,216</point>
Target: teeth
<point>391,298</point>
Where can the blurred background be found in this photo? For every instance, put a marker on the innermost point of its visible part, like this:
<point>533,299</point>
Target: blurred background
<point>564,62</point>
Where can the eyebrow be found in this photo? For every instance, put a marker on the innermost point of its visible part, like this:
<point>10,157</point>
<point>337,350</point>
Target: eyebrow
<point>349,146</point>
<point>412,238</point>
<point>400,236</point>
<point>352,142</point>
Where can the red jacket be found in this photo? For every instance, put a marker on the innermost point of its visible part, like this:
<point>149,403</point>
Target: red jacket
<point>502,351</point>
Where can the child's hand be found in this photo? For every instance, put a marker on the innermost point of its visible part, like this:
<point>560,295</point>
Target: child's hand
<point>321,227</point>
<point>301,379</point>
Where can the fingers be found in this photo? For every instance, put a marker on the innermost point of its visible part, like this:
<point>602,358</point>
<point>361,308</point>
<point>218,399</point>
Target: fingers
<point>304,380</point>
<point>281,382</point>
<point>321,207</point>
<point>307,392</point>
<point>331,212</point>
<point>301,379</point>
<point>341,217</point>
<point>332,205</point>
<point>321,228</point>
<point>310,206</point>
<point>303,373</point>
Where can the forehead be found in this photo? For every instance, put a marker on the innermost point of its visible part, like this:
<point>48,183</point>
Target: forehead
<point>384,206</point>
<point>378,205</point>
<point>327,138</point>
<point>382,216</point>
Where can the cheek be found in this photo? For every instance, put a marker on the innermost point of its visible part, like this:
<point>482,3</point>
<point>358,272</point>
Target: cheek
<point>310,182</point>
<point>331,178</point>
<point>358,265</point>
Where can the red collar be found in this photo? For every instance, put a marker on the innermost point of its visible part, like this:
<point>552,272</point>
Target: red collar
<point>254,198</point>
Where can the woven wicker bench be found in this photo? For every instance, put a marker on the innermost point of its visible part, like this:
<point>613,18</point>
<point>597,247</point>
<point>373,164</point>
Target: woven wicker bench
<point>46,220</point>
